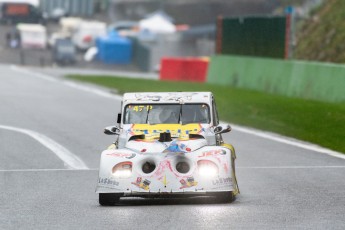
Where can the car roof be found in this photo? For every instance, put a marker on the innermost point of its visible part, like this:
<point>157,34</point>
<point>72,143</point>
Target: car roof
<point>168,97</point>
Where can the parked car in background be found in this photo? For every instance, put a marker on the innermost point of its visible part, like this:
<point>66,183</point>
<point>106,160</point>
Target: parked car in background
<point>55,36</point>
<point>64,52</point>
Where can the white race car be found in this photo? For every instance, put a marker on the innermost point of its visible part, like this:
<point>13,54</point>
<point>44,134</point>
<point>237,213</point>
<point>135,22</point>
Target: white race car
<point>168,145</point>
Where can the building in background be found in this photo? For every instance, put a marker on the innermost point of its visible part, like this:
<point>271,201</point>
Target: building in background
<point>17,11</point>
<point>192,12</point>
<point>83,8</point>
<point>32,2</point>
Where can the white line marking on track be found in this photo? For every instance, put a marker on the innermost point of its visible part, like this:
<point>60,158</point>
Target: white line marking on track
<point>34,74</point>
<point>71,84</point>
<point>44,170</point>
<point>255,132</point>
<point>70,160</point>
<point>93,90</point>
<point>293,167</point>
<point>288,141</point>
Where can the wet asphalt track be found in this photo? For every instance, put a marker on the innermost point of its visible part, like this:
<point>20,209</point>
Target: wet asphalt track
<point>282,186</point>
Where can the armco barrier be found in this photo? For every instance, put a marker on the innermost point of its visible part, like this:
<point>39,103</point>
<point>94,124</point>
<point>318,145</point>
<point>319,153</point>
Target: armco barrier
<point>309,80</point>
<point>184,69</point>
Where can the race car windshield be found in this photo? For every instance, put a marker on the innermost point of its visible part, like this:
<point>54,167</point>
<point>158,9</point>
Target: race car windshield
<point>166,114</point>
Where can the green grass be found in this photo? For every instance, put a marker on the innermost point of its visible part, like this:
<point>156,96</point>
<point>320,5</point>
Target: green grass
<point>317,122</point>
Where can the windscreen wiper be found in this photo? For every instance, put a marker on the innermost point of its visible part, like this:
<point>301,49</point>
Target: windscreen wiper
<point>180,115</point>
<point>148,112</point>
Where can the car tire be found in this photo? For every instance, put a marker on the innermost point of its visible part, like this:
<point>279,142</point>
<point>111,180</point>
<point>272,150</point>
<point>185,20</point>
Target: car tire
<point>108,199</point>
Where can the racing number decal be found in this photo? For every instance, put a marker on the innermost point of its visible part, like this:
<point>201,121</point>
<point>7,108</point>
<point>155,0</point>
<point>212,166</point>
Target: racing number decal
<point>140,108</point>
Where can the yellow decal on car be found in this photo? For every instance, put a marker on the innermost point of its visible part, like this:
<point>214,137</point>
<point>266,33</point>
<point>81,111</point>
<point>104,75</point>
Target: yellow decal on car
<point>176,130</point>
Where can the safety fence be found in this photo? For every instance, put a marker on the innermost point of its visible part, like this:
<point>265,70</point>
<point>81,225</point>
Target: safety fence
<point>309,80</point>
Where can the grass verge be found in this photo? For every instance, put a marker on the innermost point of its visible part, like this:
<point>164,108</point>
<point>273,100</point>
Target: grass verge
<point>317,122</point>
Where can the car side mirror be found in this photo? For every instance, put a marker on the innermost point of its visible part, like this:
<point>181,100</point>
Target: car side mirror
<point>222,128</point>
<point>112,130</point>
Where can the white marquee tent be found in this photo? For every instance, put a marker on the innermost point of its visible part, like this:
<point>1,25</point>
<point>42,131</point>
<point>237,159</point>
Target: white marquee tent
<point>157,23</point>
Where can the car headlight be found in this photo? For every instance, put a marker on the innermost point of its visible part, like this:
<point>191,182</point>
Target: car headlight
<point>122,170</point>
<point>207,168</point>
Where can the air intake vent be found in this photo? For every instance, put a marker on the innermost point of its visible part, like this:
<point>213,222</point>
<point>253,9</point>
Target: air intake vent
<point>182,167</point>
<point>148,167</point>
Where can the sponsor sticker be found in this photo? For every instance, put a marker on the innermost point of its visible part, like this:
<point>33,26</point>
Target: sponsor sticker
<point>142,184</point>
<point>187,183</point>
<point>108,182</point>
<point>213,153</point>
<point>123,155</point>
<point>222,181</point>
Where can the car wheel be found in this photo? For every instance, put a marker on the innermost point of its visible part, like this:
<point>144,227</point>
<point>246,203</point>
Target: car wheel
<point>108,199</point>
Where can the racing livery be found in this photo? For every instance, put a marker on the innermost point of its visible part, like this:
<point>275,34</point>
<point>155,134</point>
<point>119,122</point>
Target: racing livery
<point>168,144</point>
